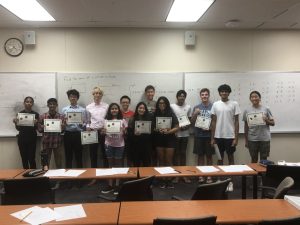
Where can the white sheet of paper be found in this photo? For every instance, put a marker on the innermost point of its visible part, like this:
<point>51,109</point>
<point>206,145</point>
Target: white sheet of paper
<point>123,170</point>
<point>74,117</point>
<point>165,170</point>
<point>293,200</point>
<point>113,126</point>
<point>183,121</point>
<point>163,122</point>
<point>143,127</point>
<point>22,213</point>
<point>25,119</point>
<point>52,125</point>
<point>104,172</point>
<point>235,168</point>
<point>203,122</point>
<point>89,137</point>
<point>292,163</point>
<point>255,119</point>
<point>55,173</point>
<point>70,212</point>
<point>73,173</point>
<point>207,169</point>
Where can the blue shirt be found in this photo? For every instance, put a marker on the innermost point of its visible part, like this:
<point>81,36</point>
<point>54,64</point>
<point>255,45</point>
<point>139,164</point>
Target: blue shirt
<point>75,127</point>
<point>205,111</point>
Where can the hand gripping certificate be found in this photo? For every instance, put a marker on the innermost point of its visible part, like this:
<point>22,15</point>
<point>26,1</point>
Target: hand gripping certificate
<point>163,122</point>
<point>255,119</point>
<point>143,127</point>
<point>113,126</point>
<point>52,125</point>
<point>183,121</point>
<point>25,119</point>
<point>203,122</point>
<point>74,117</point>
<point>89,137</point>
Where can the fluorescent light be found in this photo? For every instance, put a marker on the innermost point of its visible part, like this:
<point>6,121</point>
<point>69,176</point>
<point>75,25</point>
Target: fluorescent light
<point>188,10</point>
<point>28,10</point>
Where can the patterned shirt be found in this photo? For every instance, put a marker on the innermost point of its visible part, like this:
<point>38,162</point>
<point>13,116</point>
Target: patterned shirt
<point>50,140</point>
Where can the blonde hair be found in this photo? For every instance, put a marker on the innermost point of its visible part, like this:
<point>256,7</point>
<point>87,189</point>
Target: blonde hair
<point>97,89</point>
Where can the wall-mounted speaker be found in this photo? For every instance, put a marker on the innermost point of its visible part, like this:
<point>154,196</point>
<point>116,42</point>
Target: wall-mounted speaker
<point>190,38</point>
<point>29,37</point>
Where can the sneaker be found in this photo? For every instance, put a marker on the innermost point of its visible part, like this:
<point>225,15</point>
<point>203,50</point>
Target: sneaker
<point>201,180</point>
<point>92,182</point>
<point>107,190</point>
<point>209,180</point>
<point>116,190</point>
<point>230,187</point>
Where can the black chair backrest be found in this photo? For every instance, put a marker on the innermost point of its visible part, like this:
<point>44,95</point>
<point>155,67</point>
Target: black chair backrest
<point>276,173</point>
<point>35,190</point>
<point>208,220</point>
<point>213,191</point>
<point>136,190</point>
<point>287,221</point>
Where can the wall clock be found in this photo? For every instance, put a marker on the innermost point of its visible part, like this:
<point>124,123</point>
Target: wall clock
<point>14,47</point>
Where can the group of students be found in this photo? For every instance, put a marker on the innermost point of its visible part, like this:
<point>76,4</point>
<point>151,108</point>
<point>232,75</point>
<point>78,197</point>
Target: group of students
<point>162,146</point>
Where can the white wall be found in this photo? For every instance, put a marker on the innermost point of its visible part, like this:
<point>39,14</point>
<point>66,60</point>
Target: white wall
<point>155,50</point>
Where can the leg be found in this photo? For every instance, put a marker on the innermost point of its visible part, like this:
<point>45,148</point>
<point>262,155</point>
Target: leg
<point>93,154</point>
<point>160,156</point>
<point>264,149</point>
<point>31,153</point>
<point>58,157</point>
<point>102,147</point>
<point>182,151</point>
<point>44,159</point>
<point>77,148</point>
<point>23,153</point>
<point>68,149</point>
<point>253,150</point>
<point>169,155</point>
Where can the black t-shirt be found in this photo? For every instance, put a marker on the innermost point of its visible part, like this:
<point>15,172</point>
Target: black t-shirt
<point>27,131</point>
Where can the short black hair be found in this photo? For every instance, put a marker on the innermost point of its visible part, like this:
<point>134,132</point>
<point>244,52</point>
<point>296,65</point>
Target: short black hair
<point>125,96</point>
<point>54,100</point>
<point>255,92</point>
<point>73,92</point>
<point>31,98</point>
<point>224,87</point>
<point>148,87</point>
<point>180,92</point>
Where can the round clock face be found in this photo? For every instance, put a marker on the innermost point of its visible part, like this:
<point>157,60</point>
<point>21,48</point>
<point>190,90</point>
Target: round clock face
<point>13,47</point>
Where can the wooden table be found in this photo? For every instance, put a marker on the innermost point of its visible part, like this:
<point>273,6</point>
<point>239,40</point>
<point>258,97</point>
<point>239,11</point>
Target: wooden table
<point>97,213</point>
<point>10,173</point>
<point>90,174</point>
<point>257,167</point>
<point>227,211</point>
<point>192,171</point>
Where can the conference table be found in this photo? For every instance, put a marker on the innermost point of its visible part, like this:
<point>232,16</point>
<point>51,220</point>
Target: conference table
<point>192,171</point>
<point>227,211</point>
<point>10,173</point>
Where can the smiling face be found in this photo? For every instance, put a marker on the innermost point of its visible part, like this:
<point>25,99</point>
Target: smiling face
<point>224,95</point>
<point>204,96</point>
<point>114,111</point>
<point>28,103</point>
<point>255,99</point>
<point>150,94</point>
<point>141,110</point>
<point>73,99</point>
<point>125,104</point>
<point>181,99</point>
<point>52,106</point>
<point>162,105</point>
<point>97,94</point>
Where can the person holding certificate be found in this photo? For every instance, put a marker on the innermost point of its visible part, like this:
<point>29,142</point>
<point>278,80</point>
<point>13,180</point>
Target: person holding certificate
<point>258,120</point>
<point>165,126</point>
<point>75,117</point>
<point>183,111</point>
<point>115,130</point>
<point>26,123</point>
<point>51,125</point>
<point>139,135</point>
<point>201,120</point>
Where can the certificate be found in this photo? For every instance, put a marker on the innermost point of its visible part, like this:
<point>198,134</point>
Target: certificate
<point>255,119</point>
<point>163,122</point>
<point>143,127</point>
<point>25,119</point>
<point>74,117</point>
<point>52,125</point>
<point>183,121</point>
<point>89,137</point>
<point>203,122</point>
<point>113,126</point>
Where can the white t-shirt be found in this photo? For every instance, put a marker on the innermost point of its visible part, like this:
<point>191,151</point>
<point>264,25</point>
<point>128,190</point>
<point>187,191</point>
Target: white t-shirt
<point>185,109</point>
<point>225,112</point>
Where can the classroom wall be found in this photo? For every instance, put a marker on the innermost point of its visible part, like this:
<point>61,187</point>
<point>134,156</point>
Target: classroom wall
<point>155,50</point>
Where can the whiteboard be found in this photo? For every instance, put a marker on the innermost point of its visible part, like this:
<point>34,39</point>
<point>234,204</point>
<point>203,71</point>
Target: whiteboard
<point>279,91</point>
<point>116,85</point>
<point>14,87</point>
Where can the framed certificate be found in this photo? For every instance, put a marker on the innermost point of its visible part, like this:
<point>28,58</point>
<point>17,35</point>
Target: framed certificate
<point>163,122</point>
<point>255,119</point>
<point>183,121</point>
<point>25,119</point>
<point>74,117</point>
<point>113,126</point>
<point>89,137</point>
<point>143,127</point>
<point>52,125</point>
<point>203,122</point>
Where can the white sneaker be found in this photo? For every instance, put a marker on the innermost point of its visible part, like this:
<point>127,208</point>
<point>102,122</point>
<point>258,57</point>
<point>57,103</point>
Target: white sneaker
<point>230,187</point>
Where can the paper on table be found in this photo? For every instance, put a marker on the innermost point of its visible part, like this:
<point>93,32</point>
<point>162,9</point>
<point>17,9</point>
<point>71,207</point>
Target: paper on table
<point>70,212</point>
<point>292,163</point>
<point>293,200</point>
<point>55,173</point>
<point>120,170</point>
<point>73,173</point>
<point>165,170</point>
<point>207,169</point>
<point>235,168</point>
<point>104,172</point>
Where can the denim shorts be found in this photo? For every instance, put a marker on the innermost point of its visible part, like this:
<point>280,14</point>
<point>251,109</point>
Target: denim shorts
<point>114,152</point>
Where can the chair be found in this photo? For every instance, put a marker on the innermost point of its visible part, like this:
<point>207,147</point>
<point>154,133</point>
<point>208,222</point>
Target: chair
<point>212,191</point>
<point>288,221</point>
<point>208,220</point>
<point>279,192</point>
<point>36,190</point>
<point>135,190</point>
